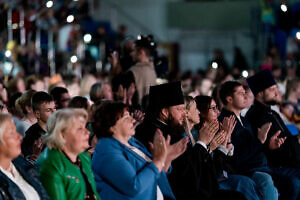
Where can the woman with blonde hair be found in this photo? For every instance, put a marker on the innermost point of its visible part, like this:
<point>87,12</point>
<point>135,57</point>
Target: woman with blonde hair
<point>18,177</point>
<point>23,105</point>
<point>65,167</point>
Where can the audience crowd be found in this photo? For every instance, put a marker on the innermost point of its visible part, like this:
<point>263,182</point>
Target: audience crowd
<point>135,131</point>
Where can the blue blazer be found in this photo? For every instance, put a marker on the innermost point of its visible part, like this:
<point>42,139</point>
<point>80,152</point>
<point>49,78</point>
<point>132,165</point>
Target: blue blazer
<point>120,173</point>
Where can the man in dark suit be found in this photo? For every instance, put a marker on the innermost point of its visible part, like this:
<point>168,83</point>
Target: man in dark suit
<point>193,174</point>
<point>251,143</point>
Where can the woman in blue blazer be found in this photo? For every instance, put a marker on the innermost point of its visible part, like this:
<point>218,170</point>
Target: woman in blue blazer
<point>122,166</point>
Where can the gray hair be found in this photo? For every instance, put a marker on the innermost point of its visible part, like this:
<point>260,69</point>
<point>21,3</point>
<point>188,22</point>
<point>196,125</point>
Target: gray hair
<point>58,122</point>
<point>4,118</point>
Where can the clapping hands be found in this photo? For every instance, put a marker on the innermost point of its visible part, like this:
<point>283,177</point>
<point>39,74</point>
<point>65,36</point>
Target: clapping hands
<point>208,131</point>
<point>263,132</point>
<point>275,141</point>
<point>163,152</point>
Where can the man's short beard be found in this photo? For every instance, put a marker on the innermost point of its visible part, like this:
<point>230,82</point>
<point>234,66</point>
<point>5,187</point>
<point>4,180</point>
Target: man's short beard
<point>271,102</point>
<point>176,128</point>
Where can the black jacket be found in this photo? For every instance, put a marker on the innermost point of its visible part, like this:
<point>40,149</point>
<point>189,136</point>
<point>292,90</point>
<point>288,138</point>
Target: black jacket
<point>193,174</point>
<point>32,134</point>
<point>288,155</point>
<point>248,150</point>
<point>9,190</point>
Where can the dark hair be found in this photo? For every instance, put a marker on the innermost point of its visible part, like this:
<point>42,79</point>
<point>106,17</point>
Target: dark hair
<point>39,98</point>
<point>106,116</point>
<point>227,89</point>
<point>57,92</point>
<point>30,80</point>
<point>79,102</point>
<point>95,92</point>
<point>12,86</point>
<point>203,104</point>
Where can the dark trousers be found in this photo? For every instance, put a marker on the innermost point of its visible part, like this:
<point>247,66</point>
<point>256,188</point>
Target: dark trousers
<point>287,181</point>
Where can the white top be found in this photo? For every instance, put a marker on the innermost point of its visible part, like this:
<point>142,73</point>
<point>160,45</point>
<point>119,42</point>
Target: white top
<point>22,126</point>
<point>27,190</point>
<point>140,153</point>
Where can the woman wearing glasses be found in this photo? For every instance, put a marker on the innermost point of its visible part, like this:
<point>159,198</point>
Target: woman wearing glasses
<point>221,150</point>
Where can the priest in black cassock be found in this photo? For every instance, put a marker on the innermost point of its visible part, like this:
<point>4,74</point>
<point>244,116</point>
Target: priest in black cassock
<point>193,173</point>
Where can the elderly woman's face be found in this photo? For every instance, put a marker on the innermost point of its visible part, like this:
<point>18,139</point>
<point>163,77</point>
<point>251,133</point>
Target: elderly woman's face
<point>124,126</point>
<point>76,136</point>
<point>10,145</point>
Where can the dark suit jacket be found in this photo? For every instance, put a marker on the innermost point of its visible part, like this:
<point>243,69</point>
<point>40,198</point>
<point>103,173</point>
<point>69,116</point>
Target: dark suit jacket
<point>248,150</point>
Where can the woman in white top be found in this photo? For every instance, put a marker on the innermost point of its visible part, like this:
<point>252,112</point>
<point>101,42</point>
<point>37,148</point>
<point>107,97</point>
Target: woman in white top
<point>18,178</point>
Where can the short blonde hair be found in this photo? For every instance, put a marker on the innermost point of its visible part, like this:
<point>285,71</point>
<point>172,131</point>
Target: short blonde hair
<point>58,122</point>
<point>188,100</point>
<point>4,118</point>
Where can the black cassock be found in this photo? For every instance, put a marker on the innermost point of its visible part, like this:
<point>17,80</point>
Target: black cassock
<point>193,175</point>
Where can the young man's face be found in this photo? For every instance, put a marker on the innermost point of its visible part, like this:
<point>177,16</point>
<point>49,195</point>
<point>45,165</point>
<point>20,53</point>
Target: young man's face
<point>45,111</point>
<point>239,98</point>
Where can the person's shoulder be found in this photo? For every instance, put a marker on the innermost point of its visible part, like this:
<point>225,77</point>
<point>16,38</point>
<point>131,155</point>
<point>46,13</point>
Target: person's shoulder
<point>51,157</point>
<point>107,144</point>
<point>21,162</point>
<point>33,129</point>
<point>84,157</point>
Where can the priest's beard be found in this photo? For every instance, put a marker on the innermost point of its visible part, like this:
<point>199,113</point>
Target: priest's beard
<point>176,128</point>
<point>270,102</point>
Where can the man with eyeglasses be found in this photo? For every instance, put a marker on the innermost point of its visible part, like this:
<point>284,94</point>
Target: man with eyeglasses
<point>249,147</point>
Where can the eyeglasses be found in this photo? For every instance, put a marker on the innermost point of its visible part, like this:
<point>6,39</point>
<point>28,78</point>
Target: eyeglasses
<point>214,108</point>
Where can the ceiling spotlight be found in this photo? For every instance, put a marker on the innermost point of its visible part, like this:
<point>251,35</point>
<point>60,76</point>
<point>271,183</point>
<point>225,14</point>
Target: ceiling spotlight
<point>283,8</point>
<point>245,74</point>
<point>214,65</point>
<point>139,37</point>
<point>49,4</point>
<point>7,53</point>
<point>70,18</point>
<point>87,38</point>
<point>73,59</point>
